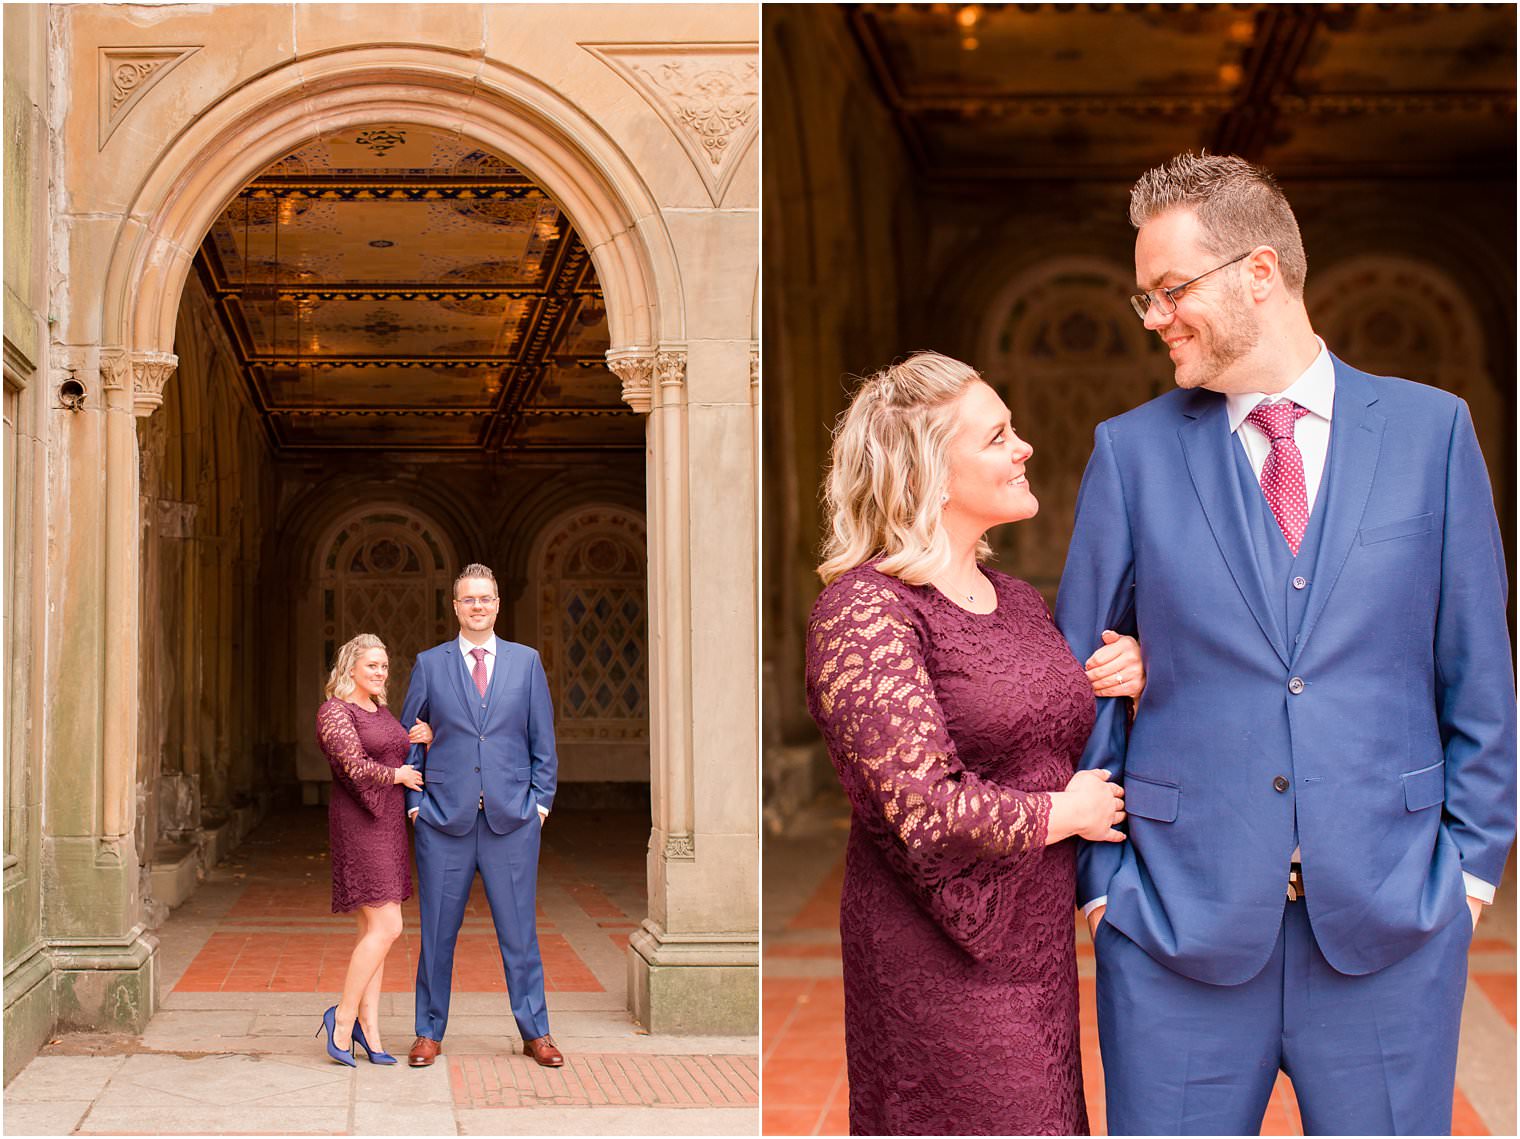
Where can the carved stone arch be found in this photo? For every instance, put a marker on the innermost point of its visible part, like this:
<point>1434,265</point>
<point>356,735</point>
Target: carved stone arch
<point>1063,347</point>
<point>384,568</point>
<point>499,108</point>
<point>588,590</point>
<point>1399,316</point>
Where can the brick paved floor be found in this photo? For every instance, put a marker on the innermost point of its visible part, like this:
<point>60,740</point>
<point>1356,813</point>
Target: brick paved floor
<point>802,1003</point>
<point>251,960</point>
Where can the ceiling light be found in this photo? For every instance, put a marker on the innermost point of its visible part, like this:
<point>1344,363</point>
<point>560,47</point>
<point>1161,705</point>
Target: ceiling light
<point>968,16</point>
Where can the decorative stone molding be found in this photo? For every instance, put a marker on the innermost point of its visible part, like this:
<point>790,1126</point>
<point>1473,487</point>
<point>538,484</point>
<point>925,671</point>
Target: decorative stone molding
<point>680,847</point>
<point>150,372</point>
<point>115,369</point>
<point>707,94</point>
<point>635,367</point>
<point>754,372</point>
<point>127,74</point>
<point>670,369</point>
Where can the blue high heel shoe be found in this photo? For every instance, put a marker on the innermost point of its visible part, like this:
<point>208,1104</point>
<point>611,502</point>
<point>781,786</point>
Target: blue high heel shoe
<point>329,1019</point>
<point>374,1057</point>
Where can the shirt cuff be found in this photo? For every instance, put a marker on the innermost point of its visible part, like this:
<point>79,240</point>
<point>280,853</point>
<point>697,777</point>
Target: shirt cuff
<point>543,813</point>
<point>1094,904</point>
<point>1477,888</point>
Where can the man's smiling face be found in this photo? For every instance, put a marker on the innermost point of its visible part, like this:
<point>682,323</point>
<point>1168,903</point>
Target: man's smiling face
<point>1215,325</point>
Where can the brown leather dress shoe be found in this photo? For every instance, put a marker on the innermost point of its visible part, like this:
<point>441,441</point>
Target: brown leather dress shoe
<point>424,1052</point>
<point>544,1052</point>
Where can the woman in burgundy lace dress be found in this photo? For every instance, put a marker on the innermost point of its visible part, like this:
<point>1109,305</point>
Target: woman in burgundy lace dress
<point>366,819</point>
<point>954,714</point>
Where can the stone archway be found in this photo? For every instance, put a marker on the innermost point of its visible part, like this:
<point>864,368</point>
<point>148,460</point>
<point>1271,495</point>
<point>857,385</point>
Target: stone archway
<point>587,597</point>
<point>383,568</point>
<point>1399,316</point>
<point>506,112</point>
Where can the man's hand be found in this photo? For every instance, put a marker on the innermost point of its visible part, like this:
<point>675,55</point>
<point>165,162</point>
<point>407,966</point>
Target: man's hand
<point>1094,918</point>
<point>1477,910</point>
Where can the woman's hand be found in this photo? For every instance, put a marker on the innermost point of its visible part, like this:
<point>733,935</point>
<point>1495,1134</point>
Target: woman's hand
<point>410,776</point>
<point>421,733</point>
<point>1090,806</point>
<point>1117,669</point>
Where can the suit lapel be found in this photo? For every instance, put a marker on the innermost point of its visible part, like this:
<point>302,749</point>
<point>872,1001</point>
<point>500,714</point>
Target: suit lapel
<point>1356,439</point>
<point>1206,443</point>
<point>462,686</point>
<point>496,682</point>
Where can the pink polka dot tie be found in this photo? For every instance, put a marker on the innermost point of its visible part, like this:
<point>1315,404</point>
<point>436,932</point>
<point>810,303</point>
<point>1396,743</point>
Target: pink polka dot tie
<point>479,671</point>
<point>1282,475</point>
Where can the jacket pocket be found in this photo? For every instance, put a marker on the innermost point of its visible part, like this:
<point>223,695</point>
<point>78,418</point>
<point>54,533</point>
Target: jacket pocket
<point>1403,528</point>
<point>1425,787</point>
<point>1149,800</point>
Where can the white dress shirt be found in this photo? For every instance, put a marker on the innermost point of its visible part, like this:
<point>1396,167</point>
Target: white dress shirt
<point>1314,389</point>
<point>465,648</point>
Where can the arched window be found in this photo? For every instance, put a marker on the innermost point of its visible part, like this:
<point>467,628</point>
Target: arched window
<point>590,594</point>
<point>1065,350</point>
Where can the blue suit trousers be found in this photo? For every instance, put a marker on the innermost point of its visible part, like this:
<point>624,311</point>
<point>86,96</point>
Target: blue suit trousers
<point>446,867</point>
<point>1374,1054</point>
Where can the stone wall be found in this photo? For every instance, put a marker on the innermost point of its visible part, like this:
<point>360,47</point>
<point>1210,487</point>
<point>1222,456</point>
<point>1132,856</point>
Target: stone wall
<point>30,1004</point>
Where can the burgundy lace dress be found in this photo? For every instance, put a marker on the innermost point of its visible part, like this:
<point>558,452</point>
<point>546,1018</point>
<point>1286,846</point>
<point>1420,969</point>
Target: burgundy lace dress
<point>366,816</point>
<point>957,921</point>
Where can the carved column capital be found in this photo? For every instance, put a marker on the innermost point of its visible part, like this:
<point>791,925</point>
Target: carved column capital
<point>150,372</point>
<point>670,369</point>
<point>635,367</point>
<point>115,369</point>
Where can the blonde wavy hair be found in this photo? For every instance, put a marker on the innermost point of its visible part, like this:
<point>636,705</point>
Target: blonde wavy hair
<point>888,471</point>
<point>340,685</point>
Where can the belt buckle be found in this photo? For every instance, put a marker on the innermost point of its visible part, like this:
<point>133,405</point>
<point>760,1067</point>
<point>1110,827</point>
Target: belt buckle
<point>1295,885</point>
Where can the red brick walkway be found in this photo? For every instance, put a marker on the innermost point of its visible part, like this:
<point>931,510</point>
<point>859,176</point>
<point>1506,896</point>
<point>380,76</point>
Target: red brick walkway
<point>802,1007</point>
<point>606,1080</point>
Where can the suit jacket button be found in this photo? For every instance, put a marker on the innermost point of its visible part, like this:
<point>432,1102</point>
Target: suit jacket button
<point>1300,582</point>
<point>482,739</point>
<point>1279,784</point>
<point>1295,686</point>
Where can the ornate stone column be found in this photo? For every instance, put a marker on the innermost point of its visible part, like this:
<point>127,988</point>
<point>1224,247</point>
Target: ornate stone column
<point>689,969</point>
<point>104,955</point>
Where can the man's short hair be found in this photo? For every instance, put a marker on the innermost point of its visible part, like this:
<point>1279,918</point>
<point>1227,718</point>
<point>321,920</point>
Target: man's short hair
<point>1239,206</point>
<point>475,569</point>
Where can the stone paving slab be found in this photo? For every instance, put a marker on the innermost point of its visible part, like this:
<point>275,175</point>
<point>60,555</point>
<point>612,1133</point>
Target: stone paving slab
<point>420,1087</point>
<point>404,1119</point>
<point>200,1119</point>
<point>227,1081</point>
<point>61,1079</point>
<point>55,1117</point>
<point>609,1121</point>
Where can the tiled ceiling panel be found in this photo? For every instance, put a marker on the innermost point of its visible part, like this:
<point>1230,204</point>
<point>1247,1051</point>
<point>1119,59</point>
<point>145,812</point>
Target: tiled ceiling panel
<point>395,287</point>
<point>1063,91</point>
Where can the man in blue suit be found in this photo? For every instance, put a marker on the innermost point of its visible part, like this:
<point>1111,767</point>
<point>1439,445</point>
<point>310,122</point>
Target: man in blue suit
<point>489,783</point>
<point>1320,777</point>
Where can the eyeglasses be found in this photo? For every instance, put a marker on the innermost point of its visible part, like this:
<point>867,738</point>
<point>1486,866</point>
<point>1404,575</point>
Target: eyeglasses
<point>1165,300</point>
<point>471,602</point>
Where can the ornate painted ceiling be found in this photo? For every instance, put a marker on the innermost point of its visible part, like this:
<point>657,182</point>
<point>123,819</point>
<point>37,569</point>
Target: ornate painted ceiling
<point>394,287</point>
<point>1061,91</point>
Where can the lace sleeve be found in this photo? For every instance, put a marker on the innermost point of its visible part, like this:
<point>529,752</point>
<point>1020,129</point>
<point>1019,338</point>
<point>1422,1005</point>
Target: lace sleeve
<point>958,839</point>
<point>365,779</point>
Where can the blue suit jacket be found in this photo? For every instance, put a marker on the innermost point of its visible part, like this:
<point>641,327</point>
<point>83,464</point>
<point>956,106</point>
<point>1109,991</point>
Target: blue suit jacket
<point>1399,748</point>
<point>503,750</point>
